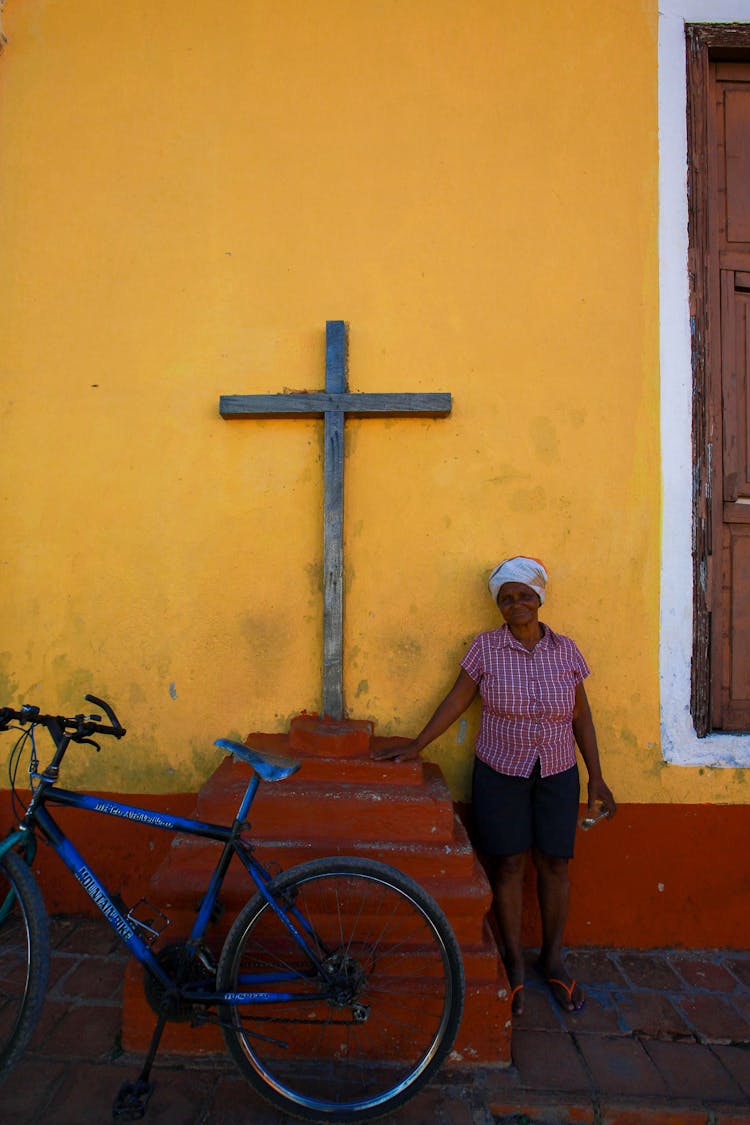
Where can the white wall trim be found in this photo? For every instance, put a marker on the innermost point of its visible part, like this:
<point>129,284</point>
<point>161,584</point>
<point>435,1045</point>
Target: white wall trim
<point>680,744</point>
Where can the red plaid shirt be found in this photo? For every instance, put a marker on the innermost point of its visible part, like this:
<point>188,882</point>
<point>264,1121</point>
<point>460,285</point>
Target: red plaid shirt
<point>527,700</point>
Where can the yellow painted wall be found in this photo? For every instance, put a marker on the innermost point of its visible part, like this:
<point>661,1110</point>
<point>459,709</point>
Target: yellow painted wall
<point>188,192</point>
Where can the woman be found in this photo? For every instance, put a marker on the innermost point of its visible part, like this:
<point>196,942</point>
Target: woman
<point>525,788</point>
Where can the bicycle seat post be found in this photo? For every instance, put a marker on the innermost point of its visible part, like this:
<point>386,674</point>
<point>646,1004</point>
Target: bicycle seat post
<point>265,766</point>
<point>246,802</point>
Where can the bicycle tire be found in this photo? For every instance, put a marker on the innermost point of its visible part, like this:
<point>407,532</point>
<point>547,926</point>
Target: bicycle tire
<point>376,1024</point>
<point>24,958</point>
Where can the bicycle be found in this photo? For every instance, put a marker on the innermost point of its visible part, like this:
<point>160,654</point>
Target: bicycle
<point>339,988</point>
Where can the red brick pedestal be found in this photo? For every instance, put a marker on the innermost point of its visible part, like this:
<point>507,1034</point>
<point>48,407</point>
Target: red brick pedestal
<point>340,802</point>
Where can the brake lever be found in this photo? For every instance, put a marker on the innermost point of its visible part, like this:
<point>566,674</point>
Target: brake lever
<point>89,742</point>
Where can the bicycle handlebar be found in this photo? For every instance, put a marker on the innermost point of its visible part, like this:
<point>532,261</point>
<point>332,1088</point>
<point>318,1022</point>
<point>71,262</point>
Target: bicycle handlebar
<point>81,726</point>
<point>117,729</point>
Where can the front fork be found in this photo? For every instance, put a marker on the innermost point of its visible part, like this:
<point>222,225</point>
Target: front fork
<point>23,842</point>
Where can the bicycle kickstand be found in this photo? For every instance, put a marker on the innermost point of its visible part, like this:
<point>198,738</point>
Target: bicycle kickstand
<point>133,1097</point>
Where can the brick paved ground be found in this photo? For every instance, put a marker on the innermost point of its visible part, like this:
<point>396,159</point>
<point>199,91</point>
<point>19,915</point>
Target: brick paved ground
<point>664,1040</point>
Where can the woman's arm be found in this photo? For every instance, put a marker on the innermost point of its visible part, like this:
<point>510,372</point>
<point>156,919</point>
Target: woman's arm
<point>454,705</point>
<point>585,736</point>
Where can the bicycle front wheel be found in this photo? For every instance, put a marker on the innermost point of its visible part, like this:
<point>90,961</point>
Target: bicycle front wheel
<point>24,958</point>
<point>354,1032</point>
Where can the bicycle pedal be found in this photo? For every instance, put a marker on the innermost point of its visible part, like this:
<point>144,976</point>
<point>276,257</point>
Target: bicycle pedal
<point>148,920</point>
<point>132,1100</point>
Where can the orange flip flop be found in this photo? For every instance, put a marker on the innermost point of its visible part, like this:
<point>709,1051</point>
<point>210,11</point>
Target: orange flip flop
<point>568,990</point>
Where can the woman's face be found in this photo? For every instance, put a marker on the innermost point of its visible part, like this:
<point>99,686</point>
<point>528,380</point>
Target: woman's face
<point>518,603</point>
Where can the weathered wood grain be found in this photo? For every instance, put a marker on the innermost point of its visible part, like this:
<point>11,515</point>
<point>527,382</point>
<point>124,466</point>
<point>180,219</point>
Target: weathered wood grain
<point>316,404</point>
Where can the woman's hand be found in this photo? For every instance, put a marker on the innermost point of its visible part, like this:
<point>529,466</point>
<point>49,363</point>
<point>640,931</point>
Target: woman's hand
<point>454,704</point>
<point>404,753</point>
<point>600,798</point>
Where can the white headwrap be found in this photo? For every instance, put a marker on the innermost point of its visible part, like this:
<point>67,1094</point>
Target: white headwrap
<point>531,572</point>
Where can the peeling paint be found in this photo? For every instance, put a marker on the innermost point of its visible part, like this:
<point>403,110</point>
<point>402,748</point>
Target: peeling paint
<point>528,499</point>
<point>8,682</point>
<point>136,694</point>
<point>72,684</point>
<point>314,571</point>
<point>544,436</point>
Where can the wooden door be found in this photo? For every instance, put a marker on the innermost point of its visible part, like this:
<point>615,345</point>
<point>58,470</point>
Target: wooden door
<point>729,400</point>
<point>718,87</point>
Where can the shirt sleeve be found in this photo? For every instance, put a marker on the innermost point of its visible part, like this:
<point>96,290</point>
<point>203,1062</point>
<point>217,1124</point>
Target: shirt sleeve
<point>580,667</point>
<point>472,663</point>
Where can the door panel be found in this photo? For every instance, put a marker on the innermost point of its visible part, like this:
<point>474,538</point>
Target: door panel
<point>735,690</point>
<point>737,151</point>
<point>735,302</point>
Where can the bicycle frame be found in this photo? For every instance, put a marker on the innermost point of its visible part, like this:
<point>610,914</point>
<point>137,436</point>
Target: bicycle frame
<point>39,816</point>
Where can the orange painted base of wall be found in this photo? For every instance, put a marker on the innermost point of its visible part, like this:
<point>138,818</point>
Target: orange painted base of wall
<point>656,875</point>
<point>664,875</point>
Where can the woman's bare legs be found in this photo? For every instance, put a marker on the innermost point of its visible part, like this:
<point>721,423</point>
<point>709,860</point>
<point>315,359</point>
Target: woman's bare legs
<point>553,891</point>
<point>508,905</point>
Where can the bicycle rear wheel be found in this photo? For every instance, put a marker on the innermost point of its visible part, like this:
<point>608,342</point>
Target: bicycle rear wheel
<point>24,958</point>
<point>374,1021</point>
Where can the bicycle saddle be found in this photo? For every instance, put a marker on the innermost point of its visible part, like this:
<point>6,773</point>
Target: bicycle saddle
<point>271,767</point>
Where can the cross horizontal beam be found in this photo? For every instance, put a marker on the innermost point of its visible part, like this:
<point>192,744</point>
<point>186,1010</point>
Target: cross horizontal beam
<point>317,404</point>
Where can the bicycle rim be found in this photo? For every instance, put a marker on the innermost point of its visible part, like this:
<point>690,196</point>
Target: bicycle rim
<point>24,958</point>
<point>370,1029</point>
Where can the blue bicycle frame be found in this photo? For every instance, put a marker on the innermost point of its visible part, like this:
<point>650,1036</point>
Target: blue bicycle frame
<point>197,992</point>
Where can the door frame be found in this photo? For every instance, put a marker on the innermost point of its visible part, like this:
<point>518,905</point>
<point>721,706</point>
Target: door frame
<point>682,369</point>
<point>705,44</point>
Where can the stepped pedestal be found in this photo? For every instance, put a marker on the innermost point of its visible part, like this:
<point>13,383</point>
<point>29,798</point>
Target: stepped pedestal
<point>340,802</point>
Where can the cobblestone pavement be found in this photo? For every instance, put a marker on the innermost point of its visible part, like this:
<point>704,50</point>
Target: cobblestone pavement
<point>664,1039</point>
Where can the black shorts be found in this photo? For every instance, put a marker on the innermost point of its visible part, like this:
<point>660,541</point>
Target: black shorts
<point>513,814</point>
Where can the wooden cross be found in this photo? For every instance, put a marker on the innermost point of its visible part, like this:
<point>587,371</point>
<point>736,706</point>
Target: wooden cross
<point>333,405</point>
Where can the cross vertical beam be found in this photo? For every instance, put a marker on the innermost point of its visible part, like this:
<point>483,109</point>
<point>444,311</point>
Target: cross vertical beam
<point>333,526</point>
